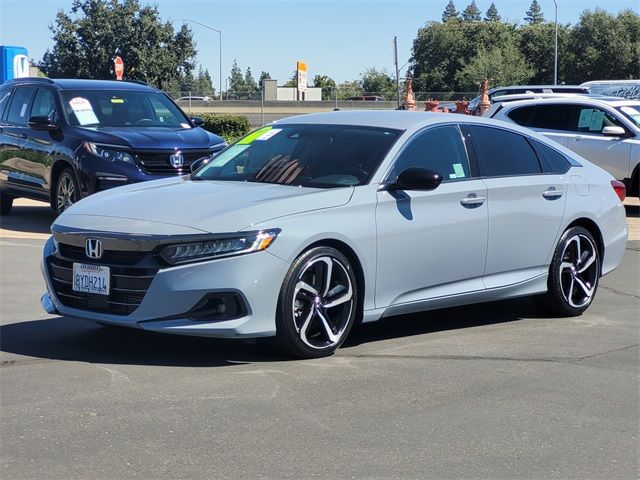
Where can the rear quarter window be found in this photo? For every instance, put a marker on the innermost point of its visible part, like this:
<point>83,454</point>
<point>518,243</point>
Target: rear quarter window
<point>552,160</point>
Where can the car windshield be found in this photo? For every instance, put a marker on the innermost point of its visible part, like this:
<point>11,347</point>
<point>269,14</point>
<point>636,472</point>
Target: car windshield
<point>122,108</point>
<point>632,112</point>
<point>320,156</point>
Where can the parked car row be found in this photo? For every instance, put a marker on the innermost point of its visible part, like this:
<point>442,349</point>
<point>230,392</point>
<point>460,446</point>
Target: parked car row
<point>61,140</point>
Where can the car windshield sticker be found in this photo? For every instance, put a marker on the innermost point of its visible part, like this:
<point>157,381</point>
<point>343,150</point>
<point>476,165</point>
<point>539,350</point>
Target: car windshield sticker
<point>248,140</point>
<point>183,125</point>
<point>269,134</point>
<point>459,171</point>
<point>117,100</point>
<point>225,157</point>
<point>84,111</point>
<point>596,121</point>
<point>585,118</point>
<point>23,110</point>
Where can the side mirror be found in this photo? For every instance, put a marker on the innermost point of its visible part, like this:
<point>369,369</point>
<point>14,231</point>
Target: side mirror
<point>415,178</point>
<point>197,121</point>
<point>196,164</point>
<point>41,122</point>
<point>612,131</point>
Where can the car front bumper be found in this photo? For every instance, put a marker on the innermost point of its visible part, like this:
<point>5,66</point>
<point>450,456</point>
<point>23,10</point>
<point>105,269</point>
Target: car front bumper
<point>256,278</point>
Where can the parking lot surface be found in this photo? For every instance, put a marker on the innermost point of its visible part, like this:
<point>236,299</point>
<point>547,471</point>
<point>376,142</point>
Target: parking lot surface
<point>489,391</point>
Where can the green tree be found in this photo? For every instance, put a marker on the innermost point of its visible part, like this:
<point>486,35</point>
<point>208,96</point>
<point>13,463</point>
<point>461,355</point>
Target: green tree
<point>534,14</point>
<point>86,40</point>
<point>502,65</point>
<point>492,14</point>
<point>204,85</point>
<point>450,12</point>
<point>536,43</point>
<point>249,82</point>
<point>352,88</point>
<point>603,46</point>
<point>236,80</point>
<point>263,76</point>
<point>378,82</point>
<point>471,13</point>
<point>327,84</point>
<point>293,81</point>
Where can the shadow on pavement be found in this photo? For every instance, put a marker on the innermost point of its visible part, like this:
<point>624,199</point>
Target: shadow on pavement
<point>29,219</point>
<point>632,211</point>
<point>60,338</point>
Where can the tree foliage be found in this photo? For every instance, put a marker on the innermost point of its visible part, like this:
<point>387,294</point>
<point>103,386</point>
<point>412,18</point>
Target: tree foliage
<point>492,14</point>
<point>471,13</point>
<point>453,56</point>
<point>450,12</point>
<point>378,82</point>
<point>327,84</point>
<point>534,14</point>
<point>87,39</point>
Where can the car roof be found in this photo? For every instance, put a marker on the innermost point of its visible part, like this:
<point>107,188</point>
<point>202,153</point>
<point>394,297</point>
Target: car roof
<point>393,119</point>
<point>83,84</point>
<point>584,99</point>
<point>559,87</point>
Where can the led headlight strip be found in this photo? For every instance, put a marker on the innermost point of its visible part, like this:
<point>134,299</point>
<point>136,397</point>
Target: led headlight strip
<point>219,247</point>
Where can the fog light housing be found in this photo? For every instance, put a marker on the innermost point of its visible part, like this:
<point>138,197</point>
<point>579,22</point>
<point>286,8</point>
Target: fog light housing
<point>215,307</point>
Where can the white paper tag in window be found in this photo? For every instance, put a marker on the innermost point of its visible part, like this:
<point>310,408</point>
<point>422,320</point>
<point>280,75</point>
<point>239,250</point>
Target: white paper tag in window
<point>459,171</point>
<point>596,121</point>
<point>585,118</point>
<point>84,111</point>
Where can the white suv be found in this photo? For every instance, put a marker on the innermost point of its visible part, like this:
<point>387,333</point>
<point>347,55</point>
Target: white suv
<point>604,130</point>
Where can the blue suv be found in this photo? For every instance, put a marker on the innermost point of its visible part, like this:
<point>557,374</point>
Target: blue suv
<point>61,140</point>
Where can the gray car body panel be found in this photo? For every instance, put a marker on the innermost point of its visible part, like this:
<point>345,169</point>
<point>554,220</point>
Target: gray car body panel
<point>441,256</point>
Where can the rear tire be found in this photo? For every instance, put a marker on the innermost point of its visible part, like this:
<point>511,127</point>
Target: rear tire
<point>573,275</point>
<point>6,202</point>
<point>317,304</point>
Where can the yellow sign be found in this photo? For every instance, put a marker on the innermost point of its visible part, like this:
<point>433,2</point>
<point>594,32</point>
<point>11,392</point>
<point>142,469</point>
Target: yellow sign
<point>301,70</point>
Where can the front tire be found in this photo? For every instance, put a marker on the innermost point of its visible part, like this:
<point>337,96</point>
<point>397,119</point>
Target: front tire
<point>573,275</point>
<point>67,191</point>
<point>317,304</point>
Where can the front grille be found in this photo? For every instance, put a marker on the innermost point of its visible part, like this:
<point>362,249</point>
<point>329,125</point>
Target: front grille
<point>109,257</point>
<point>157,163</point>
<point>128,287</point>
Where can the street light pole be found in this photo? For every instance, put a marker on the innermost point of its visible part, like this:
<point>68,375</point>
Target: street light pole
<point>219,32</point>
<point>395,60</point>
<point>555,65</point>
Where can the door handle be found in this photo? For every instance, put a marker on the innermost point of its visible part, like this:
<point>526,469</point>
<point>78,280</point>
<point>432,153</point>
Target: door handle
<point>552,193</point>
<point>472,200</point>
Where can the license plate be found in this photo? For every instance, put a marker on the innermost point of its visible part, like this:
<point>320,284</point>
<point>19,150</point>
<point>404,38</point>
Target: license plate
<point>91,278</point>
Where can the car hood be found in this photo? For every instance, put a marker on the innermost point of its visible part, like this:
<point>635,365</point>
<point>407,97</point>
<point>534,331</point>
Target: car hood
<point>154,138</point>
<point>206,206</point>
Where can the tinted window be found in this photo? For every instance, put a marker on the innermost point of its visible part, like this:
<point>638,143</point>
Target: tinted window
<point>5,96</point>
<point>19,108</point>
<point>320,156</point>
<point>553,161</point>
<point>552,117</point>
<point>44,104</point>
<point>503,153</point>
<point>440,149</point>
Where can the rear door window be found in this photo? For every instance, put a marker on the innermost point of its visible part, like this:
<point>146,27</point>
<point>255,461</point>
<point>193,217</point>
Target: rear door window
<point>550,117</point>
<point>19,109</point>
<point>503,153</point>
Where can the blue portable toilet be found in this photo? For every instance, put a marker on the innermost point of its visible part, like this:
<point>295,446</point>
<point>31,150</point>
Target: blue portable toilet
<point>14,62</point>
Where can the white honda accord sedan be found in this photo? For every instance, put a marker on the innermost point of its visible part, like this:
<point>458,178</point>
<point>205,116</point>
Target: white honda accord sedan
<point>314,223</point>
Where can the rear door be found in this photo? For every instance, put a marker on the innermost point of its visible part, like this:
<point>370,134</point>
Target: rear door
<point>525,205</point>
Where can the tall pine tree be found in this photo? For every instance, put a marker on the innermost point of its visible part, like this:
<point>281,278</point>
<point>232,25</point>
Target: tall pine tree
<point>450,12</point>
<point>534,14</point>
<point>492,14</point>
<point>471,13</point>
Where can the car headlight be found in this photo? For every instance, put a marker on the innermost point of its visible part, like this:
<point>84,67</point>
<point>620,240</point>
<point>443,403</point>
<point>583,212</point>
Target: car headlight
<point>108,154</point>
<point>219,247</point>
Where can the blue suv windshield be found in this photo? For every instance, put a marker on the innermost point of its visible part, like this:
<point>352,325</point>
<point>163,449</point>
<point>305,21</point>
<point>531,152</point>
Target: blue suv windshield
<point>122,108</point>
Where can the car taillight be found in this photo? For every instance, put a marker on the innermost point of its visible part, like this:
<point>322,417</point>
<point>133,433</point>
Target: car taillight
<point>620,189</point>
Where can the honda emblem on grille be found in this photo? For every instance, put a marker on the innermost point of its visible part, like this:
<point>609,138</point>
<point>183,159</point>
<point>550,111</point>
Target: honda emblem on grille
<point>93,248</point>
<point>177,160</point>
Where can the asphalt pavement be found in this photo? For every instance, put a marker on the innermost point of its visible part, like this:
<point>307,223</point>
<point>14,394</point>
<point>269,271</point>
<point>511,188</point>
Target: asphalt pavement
<point>490,391</point>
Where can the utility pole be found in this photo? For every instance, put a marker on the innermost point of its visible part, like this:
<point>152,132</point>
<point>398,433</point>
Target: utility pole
<point>395,61</point>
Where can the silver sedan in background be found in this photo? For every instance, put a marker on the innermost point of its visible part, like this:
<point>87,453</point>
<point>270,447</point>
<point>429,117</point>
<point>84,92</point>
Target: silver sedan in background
<point>311,224</point>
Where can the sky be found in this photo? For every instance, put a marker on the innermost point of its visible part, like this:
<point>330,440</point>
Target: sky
<point>337,38</point>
